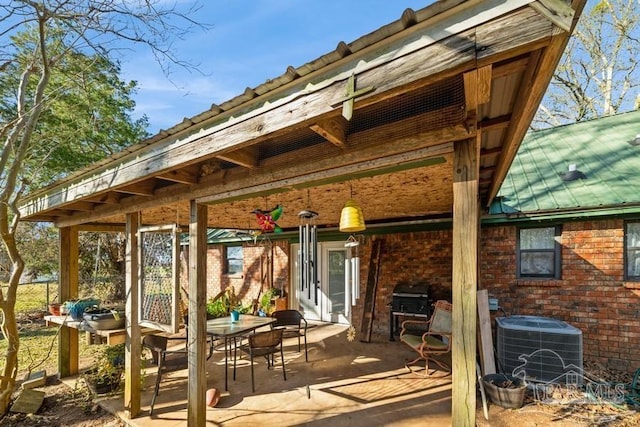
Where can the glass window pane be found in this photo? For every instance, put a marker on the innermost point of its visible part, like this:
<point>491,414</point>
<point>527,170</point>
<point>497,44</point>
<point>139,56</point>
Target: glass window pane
<point>537,238</point>
<point>633,235</point>
<point>234,266</point>
<point>234,257</point>
<point>234,252</point>
<point>537,263</point>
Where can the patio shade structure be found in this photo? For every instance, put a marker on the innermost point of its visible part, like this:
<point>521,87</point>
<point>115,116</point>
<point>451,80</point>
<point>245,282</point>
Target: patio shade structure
<point>419,119</point>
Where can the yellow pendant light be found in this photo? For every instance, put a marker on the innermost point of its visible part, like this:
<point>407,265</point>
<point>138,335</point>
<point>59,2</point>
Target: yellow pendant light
<point>351,218</point>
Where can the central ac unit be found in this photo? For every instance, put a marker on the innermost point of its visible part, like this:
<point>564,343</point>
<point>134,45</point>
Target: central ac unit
<point>540,349</point>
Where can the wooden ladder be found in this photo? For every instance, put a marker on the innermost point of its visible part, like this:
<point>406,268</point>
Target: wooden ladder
<point>370,291</point>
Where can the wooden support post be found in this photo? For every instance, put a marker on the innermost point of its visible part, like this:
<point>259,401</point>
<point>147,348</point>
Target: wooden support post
<point>133,352</point>
<point>464,281</point>
<point>196,409</point>
<point>68,289</point>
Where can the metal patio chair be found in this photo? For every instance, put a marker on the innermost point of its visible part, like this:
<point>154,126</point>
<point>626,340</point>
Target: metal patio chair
<point>265,344</point>
<point>435,341</point>
<point>293,324</point>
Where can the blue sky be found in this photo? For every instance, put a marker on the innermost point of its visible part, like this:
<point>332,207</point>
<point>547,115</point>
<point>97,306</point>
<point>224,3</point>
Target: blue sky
<point>248,43</point>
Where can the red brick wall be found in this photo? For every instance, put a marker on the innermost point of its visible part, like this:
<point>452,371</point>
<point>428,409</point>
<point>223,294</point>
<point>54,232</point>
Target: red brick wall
<point>246,285</point>
<point>416,257</point>
<point>591,295</point>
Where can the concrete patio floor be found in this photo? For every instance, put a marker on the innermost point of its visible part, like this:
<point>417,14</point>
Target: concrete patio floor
<point>344,383</point>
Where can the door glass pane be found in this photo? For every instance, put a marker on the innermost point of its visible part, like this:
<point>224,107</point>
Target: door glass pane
<point>336,280</point>
<point>537,238</point>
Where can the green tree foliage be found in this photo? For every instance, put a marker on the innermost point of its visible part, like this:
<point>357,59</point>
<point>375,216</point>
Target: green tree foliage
<point>88,114</point>
<point>38,244</point>
<point>63,105</point>
<point>598,74</point>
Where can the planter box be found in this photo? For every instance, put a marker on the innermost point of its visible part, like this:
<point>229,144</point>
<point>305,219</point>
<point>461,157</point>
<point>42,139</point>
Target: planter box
<point>103,319</point>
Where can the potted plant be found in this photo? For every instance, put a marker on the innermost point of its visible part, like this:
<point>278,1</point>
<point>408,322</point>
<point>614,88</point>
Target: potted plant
<point>106,374</point>
<point>270,299</point>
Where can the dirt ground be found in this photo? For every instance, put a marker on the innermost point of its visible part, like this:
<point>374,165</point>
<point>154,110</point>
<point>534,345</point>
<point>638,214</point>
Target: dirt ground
<point>64,407</point>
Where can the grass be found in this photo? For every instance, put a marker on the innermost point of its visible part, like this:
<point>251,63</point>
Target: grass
<point>33,297</point>
<point>38,343</point>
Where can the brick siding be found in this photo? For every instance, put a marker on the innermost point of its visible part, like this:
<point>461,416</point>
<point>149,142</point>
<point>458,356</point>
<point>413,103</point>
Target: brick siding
<point>591,295</point>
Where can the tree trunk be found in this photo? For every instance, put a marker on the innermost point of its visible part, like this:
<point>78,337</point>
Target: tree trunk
<point>10,332</point>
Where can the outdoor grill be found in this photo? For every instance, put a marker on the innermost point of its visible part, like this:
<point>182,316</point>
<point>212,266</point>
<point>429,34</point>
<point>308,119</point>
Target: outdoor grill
<point>408,300</point>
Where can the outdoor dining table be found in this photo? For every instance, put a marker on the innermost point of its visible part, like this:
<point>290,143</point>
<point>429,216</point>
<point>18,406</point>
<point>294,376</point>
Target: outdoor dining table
<point>227,329</point>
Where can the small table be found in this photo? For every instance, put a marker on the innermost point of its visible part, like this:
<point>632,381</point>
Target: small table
<point>223,327</point>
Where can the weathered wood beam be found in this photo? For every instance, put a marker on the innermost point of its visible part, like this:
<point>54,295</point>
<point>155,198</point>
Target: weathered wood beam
<point>333,130</point>
<point>406,72</point>
<point>511,66</point>
<point>529,98</point>
<point>556,11</point>
<point>196,409</point>
<point>68,289</point>
<point>182,176</point>
<point>501,122</point>
<point>245,157</point>
<point>483,84</point>
<point>110,197</point>
<point>485,152</point>
<point>409,160</point>
<point>494,47</point>
<point>388,140</point>
<point>133,348</point>
<point>80,205</point>
<point>142,188</point>
<point>102,228</point>
<point>477,91</point>
<point>466,217</point>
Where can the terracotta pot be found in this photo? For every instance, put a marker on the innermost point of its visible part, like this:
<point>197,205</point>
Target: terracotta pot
<point>54,309</point>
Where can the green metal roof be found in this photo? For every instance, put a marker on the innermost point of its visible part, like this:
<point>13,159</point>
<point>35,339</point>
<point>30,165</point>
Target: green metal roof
<point>599,148</point>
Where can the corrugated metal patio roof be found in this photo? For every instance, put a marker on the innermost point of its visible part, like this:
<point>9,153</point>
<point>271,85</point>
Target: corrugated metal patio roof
<point>599,148</point>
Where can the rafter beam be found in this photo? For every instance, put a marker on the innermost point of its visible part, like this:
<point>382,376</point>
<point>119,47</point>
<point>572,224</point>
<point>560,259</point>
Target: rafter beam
<point>245,157</point>
<point>110,197</point>
<point>143,188</point>
<point>80,206</point>
<point>501,122</point>
<point>181,176</point>
<point>333,130</point>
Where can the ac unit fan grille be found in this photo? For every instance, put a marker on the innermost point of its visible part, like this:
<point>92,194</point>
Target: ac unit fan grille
<point>542,354</point>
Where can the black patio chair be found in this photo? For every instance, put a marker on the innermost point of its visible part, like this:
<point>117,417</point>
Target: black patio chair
<point>293,324</point>
<point>167,360</point>
<point>265,344</point>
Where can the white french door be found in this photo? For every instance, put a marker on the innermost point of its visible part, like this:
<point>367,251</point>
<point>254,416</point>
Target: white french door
<point>329,302</point>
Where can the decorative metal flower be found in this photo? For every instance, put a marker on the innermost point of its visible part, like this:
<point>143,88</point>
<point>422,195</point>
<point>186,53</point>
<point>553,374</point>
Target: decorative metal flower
<point>351,333</point>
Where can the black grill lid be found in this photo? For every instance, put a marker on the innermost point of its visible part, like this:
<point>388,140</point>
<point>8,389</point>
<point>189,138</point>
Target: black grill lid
<point>411,289</point>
